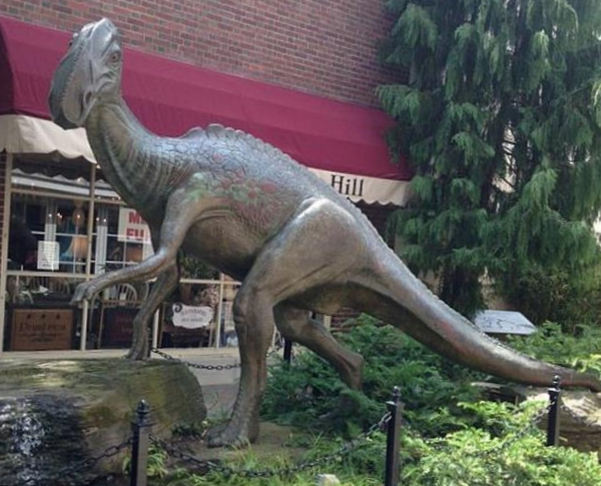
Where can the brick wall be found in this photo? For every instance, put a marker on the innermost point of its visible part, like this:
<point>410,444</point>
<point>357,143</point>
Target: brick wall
<point>321,47</point>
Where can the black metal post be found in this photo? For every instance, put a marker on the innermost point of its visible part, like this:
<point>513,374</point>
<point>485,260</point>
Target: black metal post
<point>141,440</point>
<point>149,342</point>
<point>553,419</point>
<point>288,351</point>
<point>393,439</point>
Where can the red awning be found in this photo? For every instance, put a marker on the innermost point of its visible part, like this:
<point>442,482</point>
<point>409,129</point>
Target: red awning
<point>171,97</point>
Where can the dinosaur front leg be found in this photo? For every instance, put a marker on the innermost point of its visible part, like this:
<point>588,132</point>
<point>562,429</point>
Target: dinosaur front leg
<point>180,214</point>
<point>162,288</point>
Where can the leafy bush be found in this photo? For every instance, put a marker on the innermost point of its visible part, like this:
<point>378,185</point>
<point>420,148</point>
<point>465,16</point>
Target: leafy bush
<point>554,295</point>
<point>580,350</point>
<point>504,450</point>
<point>450,438</point>
<point>512,453</point>
<point>309,391</point>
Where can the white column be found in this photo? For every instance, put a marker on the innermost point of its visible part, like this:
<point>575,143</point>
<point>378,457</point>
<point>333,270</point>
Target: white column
<point>101,240</point>
<point>90,230</point>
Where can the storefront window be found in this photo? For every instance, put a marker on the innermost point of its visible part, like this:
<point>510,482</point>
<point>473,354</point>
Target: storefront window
<point>67,225</point>
<point>48,234</point>
<point>121,238</point>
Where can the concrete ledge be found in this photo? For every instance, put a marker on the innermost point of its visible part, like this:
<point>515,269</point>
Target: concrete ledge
<point>183,353</point>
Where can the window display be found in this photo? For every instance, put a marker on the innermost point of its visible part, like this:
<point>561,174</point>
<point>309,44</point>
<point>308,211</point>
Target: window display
<point>67,225</point>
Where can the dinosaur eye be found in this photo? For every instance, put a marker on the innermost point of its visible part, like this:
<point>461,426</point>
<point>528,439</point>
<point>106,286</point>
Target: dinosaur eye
<point>115,57</point>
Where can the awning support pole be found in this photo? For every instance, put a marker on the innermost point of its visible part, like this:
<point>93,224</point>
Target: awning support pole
<point>4,255</point>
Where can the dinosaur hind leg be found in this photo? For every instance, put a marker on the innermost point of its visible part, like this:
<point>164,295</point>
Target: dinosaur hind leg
<point>287,266</point>
<point>296,325</point>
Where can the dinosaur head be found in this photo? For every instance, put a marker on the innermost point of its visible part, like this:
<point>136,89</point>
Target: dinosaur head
<point>89,73</point>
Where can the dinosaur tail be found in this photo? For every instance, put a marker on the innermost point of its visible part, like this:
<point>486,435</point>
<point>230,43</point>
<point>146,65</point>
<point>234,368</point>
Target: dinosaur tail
<point>409,305</point>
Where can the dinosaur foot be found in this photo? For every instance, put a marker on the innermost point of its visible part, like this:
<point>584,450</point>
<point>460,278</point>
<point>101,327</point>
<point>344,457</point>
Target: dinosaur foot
<point>352,371</point>
<point>230,435</point>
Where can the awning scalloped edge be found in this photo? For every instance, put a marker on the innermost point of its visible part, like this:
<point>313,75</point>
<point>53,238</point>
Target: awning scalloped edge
<point>20,134</point>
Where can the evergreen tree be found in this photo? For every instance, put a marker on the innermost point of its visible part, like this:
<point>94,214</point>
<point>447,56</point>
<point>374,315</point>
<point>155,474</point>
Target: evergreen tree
<point>500,120</point>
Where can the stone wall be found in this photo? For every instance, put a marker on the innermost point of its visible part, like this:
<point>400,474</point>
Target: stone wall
<point>320,47</point>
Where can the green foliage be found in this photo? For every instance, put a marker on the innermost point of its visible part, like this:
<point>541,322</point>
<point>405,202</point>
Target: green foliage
<point>581,350</point>
<point>309,393</point>
<point>500,119</point>
<point>505,451</point>
<point>544,295</point>
<point>449,439</point>
<point>156,466</point>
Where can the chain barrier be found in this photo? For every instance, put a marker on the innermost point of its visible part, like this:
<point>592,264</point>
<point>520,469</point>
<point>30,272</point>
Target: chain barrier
<point>268,473</point>
<point>508,442</point>
<point>198,366</point>
<point>86,464</point>
<point>441,444</point>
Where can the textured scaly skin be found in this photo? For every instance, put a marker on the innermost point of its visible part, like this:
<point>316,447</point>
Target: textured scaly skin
<point>250,211</point>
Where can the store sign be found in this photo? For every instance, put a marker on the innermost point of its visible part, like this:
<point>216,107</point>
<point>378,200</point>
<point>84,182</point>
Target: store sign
<point>365,188</point>
<point>132,228</point>
<point>191,317</point>
<point>350,186</point>
<point>42,330</point>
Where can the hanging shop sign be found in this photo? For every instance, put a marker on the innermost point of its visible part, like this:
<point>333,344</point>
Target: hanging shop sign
<point>191,317</point>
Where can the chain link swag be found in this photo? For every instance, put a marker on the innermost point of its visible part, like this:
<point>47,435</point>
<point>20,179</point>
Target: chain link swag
<point>267,473</point>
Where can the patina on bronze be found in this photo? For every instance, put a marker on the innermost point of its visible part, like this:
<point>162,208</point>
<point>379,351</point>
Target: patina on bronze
<point>252,212</point>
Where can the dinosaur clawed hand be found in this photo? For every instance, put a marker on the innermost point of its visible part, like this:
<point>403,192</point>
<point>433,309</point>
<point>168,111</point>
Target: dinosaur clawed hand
<point>84,291</point>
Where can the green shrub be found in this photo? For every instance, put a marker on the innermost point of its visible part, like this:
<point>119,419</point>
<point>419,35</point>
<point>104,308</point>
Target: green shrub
<point>580,350</point>
<point>506,451</point>
<point>431,386</point>
<point>449,439</point>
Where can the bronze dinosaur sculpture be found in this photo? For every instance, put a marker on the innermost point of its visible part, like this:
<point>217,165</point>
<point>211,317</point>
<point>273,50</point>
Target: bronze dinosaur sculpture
<point>253,213</point>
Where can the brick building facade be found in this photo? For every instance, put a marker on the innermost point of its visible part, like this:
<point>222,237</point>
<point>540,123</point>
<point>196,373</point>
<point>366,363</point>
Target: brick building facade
<point>323,48</point>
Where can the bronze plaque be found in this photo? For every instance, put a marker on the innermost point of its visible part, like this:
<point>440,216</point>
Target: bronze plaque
<point>41,329</point>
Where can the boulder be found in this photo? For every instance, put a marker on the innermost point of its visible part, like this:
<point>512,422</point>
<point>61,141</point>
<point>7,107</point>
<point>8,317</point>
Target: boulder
<point>56,413</point>
<point>579,419</point>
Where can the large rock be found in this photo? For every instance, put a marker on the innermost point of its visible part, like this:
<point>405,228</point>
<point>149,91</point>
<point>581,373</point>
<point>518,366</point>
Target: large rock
<point>55,413</point>
<point>580,419</point>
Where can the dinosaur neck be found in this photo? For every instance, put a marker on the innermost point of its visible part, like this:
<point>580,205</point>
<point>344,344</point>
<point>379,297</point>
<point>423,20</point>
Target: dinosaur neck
<point>120,144</point>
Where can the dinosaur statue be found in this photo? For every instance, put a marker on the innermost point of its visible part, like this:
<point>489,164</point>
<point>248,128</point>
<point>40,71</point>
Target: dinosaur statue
<point>252,212</point>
